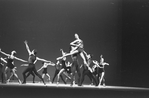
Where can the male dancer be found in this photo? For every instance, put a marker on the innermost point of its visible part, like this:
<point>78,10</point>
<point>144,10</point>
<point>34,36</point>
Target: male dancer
<point>76,49</point>
<point>31,72</point>
<point>32,60</point>
<point>87,72</point>
<point>58,67</point>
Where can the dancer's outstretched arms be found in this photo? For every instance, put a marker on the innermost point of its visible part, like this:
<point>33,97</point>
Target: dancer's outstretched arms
<point>52,64</point>
<point>3,60</point>
<point>40,59</point>
<point>59,58</point>
<point>40,69</point>
<point>20,59</point>
<point>27,47</point>
<point>104,63</point>
<point>25,65</point>
<point>4,53</point>
<point>97,63</point>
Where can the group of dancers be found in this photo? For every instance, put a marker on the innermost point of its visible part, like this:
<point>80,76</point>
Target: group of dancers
<point>63,68</point>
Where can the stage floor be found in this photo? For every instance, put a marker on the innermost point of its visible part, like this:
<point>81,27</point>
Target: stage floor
<point>39,90</point>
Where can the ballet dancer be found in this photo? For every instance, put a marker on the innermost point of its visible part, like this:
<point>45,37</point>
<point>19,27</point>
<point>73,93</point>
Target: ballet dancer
<point>98,70</point>
<point>76,48</point>
<point>10,64</point>
<point>31,61</point>
<point>57,69</point>
<point>87,72</point>
<point>2,61</point>
<point>64,68</point>
<point>31,72</point>
<point>45,67</point>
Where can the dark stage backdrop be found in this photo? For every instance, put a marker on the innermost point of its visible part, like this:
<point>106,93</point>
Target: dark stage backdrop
<point>135,43</point>
<point>49,25</point>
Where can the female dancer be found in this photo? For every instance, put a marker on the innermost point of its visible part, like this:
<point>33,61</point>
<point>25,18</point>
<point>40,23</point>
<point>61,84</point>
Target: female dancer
<point>10,64</point>
<point>76,49</point>
<point>63,69</point>
<point>32,60</point>
<point>98,69</point>
<point>45,67</point>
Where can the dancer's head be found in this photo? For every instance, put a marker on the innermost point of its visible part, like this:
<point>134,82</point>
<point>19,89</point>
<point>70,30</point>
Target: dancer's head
<point>101,56</point>
<point>34,51</point>
<point>13,53</point>
<point>89,56</point>
<point>76,36</point>
<point>64,58</point>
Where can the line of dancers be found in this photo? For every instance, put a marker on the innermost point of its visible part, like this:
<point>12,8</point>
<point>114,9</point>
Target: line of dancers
<point>91,68</point>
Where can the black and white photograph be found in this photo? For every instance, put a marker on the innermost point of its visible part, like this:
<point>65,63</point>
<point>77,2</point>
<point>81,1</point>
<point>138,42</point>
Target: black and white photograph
<point>74,48</point>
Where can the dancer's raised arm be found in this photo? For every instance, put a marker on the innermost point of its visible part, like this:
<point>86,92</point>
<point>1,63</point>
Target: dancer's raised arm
<point>20,59</point>
<point>40,69</point>
<point>97,63</point>
<point>45,64</point>
<point>4,53</point>
<point>40,59</point>
<point>3,60</point>
<point>51,63</point>
<point>27,47</point>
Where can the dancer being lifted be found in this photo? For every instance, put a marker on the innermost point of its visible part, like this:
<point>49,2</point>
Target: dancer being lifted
<point>31,61</point>
<point>45,67</point>
<point>10,64</point>
<point>77,48</point>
